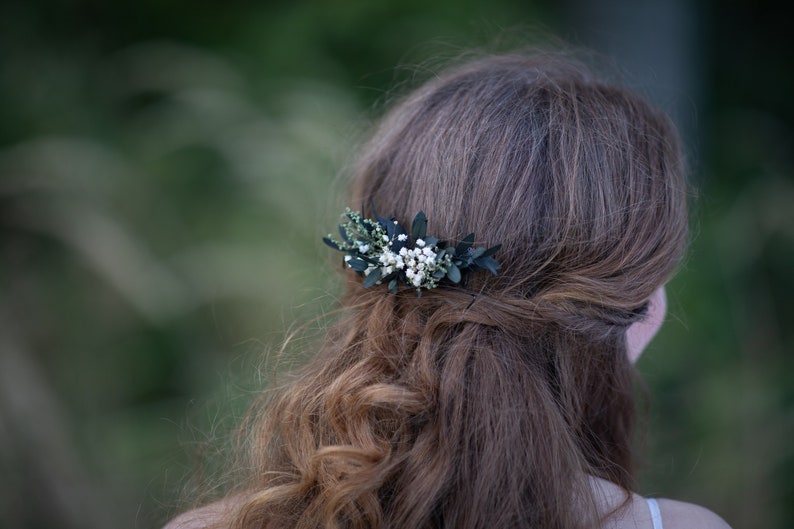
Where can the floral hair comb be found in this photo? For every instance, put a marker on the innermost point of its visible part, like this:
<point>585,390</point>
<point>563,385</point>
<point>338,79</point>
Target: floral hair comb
<point>382,252</point>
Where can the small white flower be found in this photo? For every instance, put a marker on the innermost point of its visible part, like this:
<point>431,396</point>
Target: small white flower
<point>420,242</point>
<point>402,237</point>
<point>420,266</point>
<point>364,248</point>
<point>385,238</point>
<point>404,252</point>
<point>428,252</point>
<point>409,274</point>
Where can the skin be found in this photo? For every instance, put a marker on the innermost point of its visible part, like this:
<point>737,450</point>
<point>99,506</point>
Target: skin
<point>641,333</point>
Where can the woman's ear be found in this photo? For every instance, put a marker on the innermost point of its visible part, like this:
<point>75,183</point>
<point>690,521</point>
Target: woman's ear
<point>639,334</point>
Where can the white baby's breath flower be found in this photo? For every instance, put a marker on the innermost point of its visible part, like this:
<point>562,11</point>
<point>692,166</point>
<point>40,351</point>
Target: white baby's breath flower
<point>364,248</point>
<point>402,237</point>
<point>385,238</point>
<point>420,242</point>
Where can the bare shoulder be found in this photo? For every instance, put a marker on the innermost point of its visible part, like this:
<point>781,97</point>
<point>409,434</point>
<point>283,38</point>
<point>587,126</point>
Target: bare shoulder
<point>212,516</point>
<point>682,515</point>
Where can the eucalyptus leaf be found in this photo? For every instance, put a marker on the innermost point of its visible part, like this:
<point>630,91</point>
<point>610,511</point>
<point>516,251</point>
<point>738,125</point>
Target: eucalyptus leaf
<point>465,243</point>
<point>343,233</point>
<point>453,273</point>
<point>372,278</point>
<point>419,226</point>
<point>488,263</point>
<point>357,264</point>
<point>390,228</point>
<point>331,243</point>
<point>490,251</point>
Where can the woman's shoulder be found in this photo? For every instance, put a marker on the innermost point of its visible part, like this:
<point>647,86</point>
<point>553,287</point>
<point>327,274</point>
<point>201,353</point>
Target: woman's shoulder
<point>674,514</point>
<point>212,516</point>
<point>637,511</point>
<point>680,515</point>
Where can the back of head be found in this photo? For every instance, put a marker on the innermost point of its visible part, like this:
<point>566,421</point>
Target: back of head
<point>486,404</point>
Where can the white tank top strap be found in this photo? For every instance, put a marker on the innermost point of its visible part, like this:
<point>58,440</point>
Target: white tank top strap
<point>656,514</point>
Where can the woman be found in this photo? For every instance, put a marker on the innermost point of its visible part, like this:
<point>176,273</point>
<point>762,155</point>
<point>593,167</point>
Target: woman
<point>501,395</point>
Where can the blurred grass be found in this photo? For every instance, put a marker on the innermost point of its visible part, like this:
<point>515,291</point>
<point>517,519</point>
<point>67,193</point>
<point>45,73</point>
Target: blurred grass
<point>167,171</point>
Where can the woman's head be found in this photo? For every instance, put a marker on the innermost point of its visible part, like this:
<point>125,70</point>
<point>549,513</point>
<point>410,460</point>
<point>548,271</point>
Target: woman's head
<point>581,182</point>
<point>485,404</point>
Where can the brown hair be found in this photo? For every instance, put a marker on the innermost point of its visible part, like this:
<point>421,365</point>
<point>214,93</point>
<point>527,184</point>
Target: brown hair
<point>486,404</point>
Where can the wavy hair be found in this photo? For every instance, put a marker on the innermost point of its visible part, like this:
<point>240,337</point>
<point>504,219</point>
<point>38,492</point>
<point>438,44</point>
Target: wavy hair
<point>486,404</point>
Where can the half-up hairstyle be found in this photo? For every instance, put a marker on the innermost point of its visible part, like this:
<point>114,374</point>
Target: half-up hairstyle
<point>487,404</point>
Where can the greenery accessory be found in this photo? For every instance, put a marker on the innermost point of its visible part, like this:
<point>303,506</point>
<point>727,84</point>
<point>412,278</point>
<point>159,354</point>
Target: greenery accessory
<point>382,252</point>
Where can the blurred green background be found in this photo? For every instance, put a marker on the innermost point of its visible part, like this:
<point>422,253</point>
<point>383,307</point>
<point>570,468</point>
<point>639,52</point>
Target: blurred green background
<point>167,169</point>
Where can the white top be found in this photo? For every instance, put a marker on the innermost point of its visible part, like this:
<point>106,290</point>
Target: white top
<point>656,514</point>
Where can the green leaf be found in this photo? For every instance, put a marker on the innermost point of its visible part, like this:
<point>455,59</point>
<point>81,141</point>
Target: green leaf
<point>419,226</point>
<point>453,273</point>
<point>331,243</point>
<point>490,251</point>
<point>357,264</point>
<point>477,252</point>
<point>489,263</point>
<point>387,225</point>
<point>372,278</point>
<point>465,243</point>
<point>343,233</point>
<point>393,286</point>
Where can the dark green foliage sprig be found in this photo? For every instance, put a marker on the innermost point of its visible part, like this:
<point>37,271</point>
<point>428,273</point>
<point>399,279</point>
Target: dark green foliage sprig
<point>382,251</point>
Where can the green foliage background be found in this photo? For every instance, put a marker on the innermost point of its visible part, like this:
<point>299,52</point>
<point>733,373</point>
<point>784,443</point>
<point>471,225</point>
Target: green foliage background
<point>167,170</point>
